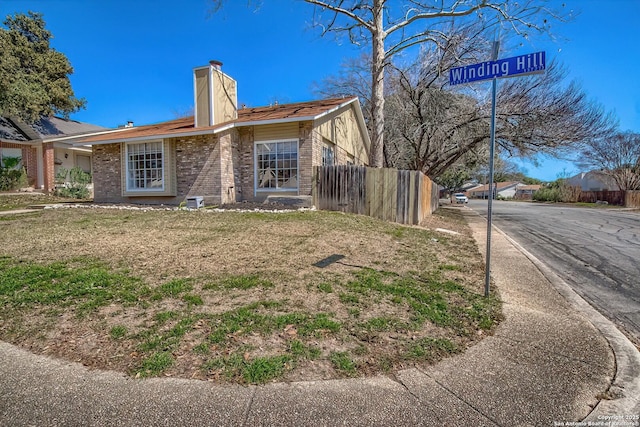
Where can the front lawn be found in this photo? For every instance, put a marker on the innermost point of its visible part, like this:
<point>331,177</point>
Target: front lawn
<point>12,201</point>
<point>240,297</point>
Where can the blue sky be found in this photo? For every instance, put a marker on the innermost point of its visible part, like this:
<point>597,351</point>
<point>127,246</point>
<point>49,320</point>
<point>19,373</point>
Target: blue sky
<point>133,59</point>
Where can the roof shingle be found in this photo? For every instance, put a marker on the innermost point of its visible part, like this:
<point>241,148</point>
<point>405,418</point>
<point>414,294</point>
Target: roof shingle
<point>185,125</point>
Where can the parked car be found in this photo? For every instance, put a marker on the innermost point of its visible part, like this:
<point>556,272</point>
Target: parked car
<point>461,198</point>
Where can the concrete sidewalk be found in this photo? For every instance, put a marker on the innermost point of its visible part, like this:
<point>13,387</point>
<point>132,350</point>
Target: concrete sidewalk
<point>546,364</point>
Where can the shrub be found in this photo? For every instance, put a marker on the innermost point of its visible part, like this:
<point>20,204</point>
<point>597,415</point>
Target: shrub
<point>74,183</point>
<point>558,191</point>
<point>12,179</point>
<point>547,195</point>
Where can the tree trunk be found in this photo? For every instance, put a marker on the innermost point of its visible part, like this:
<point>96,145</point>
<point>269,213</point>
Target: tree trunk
<point>376,154</point>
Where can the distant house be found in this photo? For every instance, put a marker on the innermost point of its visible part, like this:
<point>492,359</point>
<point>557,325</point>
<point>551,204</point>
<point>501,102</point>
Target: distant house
<point>593,181</point>
<point>526,192</point>
<point>506,190</point>
<point>44,147</point>
<point>227,154</point>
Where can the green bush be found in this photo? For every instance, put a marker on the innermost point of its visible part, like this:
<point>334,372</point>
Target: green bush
<point>547,195</point>
<point>74,183</point>
<point>12,179</point>
<point>558,192</point>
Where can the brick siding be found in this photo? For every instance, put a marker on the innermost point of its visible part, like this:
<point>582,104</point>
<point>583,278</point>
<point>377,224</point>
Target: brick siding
<point>245,166</point>
<point>307,156</point>
<point>48,169</point>
<point>107,169</point>
<point>29,160</point>
<point>30,163</point>
<point>220,168</point>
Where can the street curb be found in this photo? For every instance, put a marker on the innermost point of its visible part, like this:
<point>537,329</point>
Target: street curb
<point>625,387</point>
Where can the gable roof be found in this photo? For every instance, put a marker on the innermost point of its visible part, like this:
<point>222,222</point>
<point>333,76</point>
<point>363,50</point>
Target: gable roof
<point>534,187</point>
<point>301,111</point>
<point>286,112</point>
<point>499,185</point>
<point>9,132</point>
<point>13,129</point>
<point>594,179</point>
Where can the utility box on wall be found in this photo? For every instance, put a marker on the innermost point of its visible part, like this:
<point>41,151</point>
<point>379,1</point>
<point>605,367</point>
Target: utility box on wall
<point>195,202</point>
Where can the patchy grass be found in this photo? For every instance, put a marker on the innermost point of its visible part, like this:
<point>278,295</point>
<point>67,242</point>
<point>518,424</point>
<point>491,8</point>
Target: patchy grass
<point>245,298</point>
<point>83,284</point>
<point>243,282</point>
<point>155,364</point>
<point>343,363</point>
<point>431,349</point>
<point>13,201</point>
<point>118,332</point>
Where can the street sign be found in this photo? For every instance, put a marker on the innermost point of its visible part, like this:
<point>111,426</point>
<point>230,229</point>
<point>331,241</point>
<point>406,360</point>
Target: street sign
<point>522,65</point>
<point>531,63</point>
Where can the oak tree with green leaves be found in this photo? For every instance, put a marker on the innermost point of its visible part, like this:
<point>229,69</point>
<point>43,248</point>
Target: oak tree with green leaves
<point>34,77</point>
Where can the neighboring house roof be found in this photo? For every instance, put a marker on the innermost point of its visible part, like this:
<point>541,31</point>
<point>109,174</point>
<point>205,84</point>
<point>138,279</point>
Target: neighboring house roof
<point>9,132</point>
<point>46,129</point>
<point>593,180</point>
<point>469,189</point>
<point>470,186</point>
<point>499,185</point>
<point>529,187</point>
<point>300,111</point>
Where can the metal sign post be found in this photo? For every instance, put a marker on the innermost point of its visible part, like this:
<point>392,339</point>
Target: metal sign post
<point>522,65</point>
<point>492,149</point>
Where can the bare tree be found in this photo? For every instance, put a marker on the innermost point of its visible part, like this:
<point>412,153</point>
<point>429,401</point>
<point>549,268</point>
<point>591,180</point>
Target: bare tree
<point>353,79</point>
<point>460,45</point>
<point>543,114</point>
<point>391,26</point>
<point>617,156</point>
<point>430,127</point>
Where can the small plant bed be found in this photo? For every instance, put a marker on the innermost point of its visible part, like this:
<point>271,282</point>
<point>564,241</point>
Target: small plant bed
<point>241,297</point>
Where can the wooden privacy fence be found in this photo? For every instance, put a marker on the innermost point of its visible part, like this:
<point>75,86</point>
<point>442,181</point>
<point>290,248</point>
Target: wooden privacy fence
<point>611,197</point>
<point>632,199</point>
<point>406,197</point>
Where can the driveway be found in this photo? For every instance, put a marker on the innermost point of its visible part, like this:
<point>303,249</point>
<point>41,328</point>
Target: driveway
<point>596,251</point>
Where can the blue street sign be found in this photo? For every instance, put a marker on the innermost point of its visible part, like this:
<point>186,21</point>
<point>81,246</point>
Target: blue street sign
<point>531,63</point>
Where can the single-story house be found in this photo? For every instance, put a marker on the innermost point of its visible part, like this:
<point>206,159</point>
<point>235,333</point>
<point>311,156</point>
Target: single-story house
<point>593,181</point>
<point>227,154</point>
<point>505,190</point>
<point>526,192</point>
<point>44,147</point>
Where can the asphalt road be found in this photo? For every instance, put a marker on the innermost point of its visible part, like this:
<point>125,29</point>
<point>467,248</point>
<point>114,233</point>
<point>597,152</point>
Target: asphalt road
<point>596,251</point>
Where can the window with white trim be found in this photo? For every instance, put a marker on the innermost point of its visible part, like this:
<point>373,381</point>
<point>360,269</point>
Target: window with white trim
<point>328,154</point>
<point>144,166</point>
<point>276,166</point>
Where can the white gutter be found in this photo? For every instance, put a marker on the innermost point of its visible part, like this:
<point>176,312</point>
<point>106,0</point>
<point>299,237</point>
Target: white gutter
<point>334,109</point>
<point>148,137</point>
<point>85,135</point>
<point>274,121</point>
<point>63,145</point>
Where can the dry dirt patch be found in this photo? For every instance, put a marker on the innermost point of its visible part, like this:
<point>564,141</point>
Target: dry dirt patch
<point>240,297</point>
